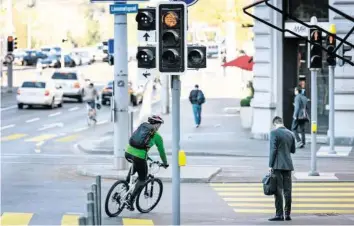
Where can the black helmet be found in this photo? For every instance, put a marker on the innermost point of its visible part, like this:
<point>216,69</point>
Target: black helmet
<point>155,119</point>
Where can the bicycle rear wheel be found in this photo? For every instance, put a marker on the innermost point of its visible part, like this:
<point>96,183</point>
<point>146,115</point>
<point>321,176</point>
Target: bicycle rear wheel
<point>148,192</point>
<point>116,197</point>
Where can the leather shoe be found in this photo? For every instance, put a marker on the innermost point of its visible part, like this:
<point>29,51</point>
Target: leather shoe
<point>287,218</point>
<point>277,218</point>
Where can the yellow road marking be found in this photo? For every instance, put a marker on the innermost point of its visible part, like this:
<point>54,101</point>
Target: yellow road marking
<point>16,218</point>
<point>68,138</point>
<point>132,221</point>
<point>13,137</point>
<point>271,199</point>
<point>339,184</point>
<point>40,138</point>
<point>245,194</point>
<point>295,211</point>
<point>299,205</point>
<point>68,219</point>
<point>294,189</point>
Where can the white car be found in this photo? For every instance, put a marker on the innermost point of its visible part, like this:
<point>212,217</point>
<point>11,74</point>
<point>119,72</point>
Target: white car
<point>72,82</point>
<point>39,92</point>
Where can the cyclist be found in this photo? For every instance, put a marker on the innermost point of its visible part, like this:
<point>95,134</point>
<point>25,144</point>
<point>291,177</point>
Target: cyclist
<point>138,156</point>
<point>90,95</point>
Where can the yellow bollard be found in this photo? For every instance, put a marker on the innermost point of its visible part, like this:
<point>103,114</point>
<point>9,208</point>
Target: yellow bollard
<point>182,158</point>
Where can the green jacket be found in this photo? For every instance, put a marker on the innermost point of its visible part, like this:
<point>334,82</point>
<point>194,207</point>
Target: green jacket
<point>155,140</point>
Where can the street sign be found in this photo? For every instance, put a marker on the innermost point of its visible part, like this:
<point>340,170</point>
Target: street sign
<point>117,1</point>
<point>146,74</point>
<point>123,8</point>
<point>146,36</point>
<point>111,46</point>
<point>188,2</point>
<point>9,58</point>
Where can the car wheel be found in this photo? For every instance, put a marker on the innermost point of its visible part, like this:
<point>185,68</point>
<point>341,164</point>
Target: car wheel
<point>61,103</point>
<point>52,105</point>
<point>80,98</point>
<point>20,106</point>
<point>103,102</point>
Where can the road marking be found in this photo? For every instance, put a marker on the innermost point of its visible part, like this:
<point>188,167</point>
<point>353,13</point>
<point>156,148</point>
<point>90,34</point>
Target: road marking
<point>68,138</point>
<point>53,125</point>
<point>16,218</point>
<point>57,156</point>
<point>102,122</point>
<point>73,109</point>
<point>81,129</point>
<point>54,114</point>
<point>271,199</point>
<point>245,194</point>
<point>8,126</point>
<point>40,138</point>
<point>32,120</point>
<point>259,189</point>
<point>296,205</point>
<point>9,108</point>
<point>70,219</point>
<point>320,184</point>
<point>13,137</point>
<point>303,211</point>
<point>132,221</point>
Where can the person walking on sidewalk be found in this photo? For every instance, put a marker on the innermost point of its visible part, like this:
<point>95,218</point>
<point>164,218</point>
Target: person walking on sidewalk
<point>300,117</point>
<point>197,98</point>
<point>282,144</point>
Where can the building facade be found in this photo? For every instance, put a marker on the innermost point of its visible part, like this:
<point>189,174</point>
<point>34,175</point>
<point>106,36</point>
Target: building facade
<point>281,61</point>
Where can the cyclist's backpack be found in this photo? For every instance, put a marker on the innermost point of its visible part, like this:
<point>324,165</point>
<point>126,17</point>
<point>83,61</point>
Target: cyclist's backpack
<point>141,137</point>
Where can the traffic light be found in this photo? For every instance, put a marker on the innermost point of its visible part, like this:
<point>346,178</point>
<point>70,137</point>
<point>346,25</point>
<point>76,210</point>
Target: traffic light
<point>331,45</point>
<point>146,57</point>
<point>110,59</point>
<point>11,43</point>
<point>197,57</point>
<point>341,52</point>
<point>315,51</point>
<point>171,38</point>
<point>146,19</point>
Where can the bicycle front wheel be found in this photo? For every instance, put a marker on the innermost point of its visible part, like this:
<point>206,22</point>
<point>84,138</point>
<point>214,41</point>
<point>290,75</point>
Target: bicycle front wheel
<point>115,196</point>
<point>150,195</point>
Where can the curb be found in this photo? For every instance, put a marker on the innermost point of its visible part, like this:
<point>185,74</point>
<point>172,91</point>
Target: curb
<point>84,172</point>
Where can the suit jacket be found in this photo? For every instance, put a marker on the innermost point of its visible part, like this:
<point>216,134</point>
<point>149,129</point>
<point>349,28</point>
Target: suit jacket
<point>282,143</point>
<point>300,102</point>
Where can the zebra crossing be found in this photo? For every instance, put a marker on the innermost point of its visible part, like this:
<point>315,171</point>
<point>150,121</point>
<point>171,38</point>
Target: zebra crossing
<point>14,218</point>
<point>307,198</point>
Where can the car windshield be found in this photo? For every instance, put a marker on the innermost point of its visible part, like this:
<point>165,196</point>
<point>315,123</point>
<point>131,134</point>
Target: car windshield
<point>64,75</point>
<point>40,85</point>
<point>45,49</point>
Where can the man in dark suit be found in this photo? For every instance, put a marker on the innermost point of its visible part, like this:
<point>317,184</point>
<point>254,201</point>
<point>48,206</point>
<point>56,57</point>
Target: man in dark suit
<point>300,106</point>
<point>282,143</point>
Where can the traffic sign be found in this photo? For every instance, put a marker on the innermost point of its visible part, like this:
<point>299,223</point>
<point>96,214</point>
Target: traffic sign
<point>188,2</point>
<point>147,36</point>
<point>9,58</point>
<point>123,8</point>
<point>111,46</point>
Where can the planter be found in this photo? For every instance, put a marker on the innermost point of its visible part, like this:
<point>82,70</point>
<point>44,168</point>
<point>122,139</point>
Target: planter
<point>246,117</point>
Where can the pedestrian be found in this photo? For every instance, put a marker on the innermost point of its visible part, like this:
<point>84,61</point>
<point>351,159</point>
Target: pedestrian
<point>197,98</point>
<point>300,117</point>
<point>282,144</point>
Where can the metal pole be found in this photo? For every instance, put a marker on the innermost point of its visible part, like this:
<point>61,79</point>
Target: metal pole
<point>9,76</point>
<point>99,205</point>
<point>131,123</point>
<point>331,110</point>
<point>176,95</point>
<point>313,171</point>
<point>165,95</point>
<point>90,209</point>
<point>121,127</point>
<point>82,221</point>
<point>95,201</point>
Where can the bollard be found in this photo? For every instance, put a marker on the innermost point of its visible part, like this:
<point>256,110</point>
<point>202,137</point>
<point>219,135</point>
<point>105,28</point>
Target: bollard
<point>82,221</point>
<point>98,182</point>
<point>90,213</point>
<point>95,201</point>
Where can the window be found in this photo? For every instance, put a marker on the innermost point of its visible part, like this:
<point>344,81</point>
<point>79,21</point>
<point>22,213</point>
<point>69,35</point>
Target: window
<point>64,76</point>
<point>40,85</point>
<point>305,9</point>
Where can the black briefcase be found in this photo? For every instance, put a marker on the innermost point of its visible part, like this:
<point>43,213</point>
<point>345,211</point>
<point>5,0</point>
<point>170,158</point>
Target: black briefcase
<point>269,184</point>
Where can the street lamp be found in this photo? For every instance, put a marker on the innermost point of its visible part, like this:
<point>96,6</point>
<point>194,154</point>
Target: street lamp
<point>30,5</point>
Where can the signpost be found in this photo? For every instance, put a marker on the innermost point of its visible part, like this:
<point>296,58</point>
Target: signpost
<point>123,9</point>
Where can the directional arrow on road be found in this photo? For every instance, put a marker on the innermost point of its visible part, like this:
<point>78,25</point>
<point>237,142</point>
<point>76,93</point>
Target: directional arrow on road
<point>50,126</point>
<point>146,36</point>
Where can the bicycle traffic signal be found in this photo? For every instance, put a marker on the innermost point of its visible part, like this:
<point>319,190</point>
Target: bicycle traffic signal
<point>146,19</point>
<point>11,43</point>
<point>197,57</point>
<point>315,51</point>
<point>330,46</point>
<point>172,27</point>
<point>146,57</point>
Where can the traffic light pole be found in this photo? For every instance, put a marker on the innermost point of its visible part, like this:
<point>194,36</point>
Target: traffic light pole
<point>165,94</point>
<point>331,110</point>
<point>9,76</point>
<point>121,97</point>
<point>176,97</point>
<point>313,171</point>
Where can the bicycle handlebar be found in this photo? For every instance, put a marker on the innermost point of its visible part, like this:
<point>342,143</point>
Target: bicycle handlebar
<point>155,162</point>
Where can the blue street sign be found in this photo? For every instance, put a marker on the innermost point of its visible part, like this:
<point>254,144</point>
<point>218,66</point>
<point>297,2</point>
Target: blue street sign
<point>188,2</point>
<point>111,46</point>
<point>123,8</point>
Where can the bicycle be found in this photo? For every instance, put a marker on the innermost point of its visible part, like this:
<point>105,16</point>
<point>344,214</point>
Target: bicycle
<point>128,188</point>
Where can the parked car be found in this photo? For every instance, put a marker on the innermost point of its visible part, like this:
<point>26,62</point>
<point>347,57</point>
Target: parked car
<point>107,93</point>
<point>72,81</point>
<point>51,50</point>
<point>86,58</point>
<point>54,61</point>
<point>136,93</point>
<point>39,92</point>
<point>30,57</point>
<point>76,57</point>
